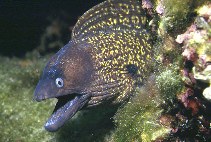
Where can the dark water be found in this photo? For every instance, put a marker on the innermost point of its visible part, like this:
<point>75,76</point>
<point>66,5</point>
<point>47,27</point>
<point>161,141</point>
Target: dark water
<point>23,22</point>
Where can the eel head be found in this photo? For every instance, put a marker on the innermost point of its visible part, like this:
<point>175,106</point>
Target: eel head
<point>65,77</point>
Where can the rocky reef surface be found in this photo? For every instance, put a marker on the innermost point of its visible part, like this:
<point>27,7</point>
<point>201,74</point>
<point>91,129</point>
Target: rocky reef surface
<point>174,104</point>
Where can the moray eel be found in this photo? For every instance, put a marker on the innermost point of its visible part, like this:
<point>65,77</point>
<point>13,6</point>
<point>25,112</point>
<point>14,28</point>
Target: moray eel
<point>107,57</point>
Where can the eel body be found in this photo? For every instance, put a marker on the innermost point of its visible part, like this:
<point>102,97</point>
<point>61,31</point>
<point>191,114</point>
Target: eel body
<point>107,57</point>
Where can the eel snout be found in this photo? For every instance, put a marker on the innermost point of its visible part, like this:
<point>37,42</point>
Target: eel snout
<point>66,106</point>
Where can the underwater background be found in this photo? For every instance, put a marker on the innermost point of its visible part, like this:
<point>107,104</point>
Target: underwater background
<point>174,104</point>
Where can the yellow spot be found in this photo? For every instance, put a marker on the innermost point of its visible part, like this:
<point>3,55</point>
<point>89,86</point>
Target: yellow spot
<point>115,21</point>
<point>135,19</point>
<point>125,21</point>
<point>124,8</point>
<point>143,20</point>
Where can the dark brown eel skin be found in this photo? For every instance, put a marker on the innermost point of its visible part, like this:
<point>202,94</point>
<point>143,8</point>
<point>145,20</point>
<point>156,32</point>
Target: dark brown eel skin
<point>107,58</point>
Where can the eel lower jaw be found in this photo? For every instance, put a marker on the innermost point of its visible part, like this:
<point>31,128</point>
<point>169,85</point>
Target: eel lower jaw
<point>66,108</point>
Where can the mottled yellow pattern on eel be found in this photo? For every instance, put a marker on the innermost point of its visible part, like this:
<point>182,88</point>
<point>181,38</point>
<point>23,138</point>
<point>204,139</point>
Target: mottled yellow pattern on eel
<point>108,56</point>
<point>116,29</point>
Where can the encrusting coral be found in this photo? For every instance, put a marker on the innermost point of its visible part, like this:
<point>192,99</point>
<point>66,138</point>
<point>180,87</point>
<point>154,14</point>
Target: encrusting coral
<point>197,47</point>
<point>176,14</point>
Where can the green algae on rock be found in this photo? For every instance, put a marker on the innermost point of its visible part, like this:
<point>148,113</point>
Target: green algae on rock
<point>170,82</point>
<point>18,121</point>
<point>145,117</point>
<point>138,120</point>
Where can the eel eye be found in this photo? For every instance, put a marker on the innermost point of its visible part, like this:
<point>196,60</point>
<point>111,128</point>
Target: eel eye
<point>59,82</point>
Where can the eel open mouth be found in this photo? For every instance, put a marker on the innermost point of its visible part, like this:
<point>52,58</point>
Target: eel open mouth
<point>66,108</point>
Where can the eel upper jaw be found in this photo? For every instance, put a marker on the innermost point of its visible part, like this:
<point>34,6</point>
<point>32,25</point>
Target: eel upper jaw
<point>66,108</point>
